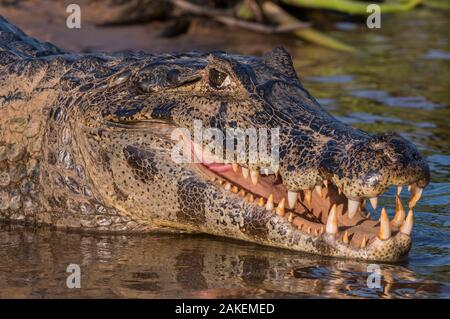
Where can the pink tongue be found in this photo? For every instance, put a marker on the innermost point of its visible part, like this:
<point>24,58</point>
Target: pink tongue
<point>219,168</point>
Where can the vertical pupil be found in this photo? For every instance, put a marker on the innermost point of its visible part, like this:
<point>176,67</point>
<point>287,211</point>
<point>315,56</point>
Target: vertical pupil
<point>216,78</point>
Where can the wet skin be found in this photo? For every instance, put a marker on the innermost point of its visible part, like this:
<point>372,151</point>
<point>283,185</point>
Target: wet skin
<point>86,143</point>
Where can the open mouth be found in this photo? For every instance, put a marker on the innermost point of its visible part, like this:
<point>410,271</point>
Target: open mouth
<point>317,212</point>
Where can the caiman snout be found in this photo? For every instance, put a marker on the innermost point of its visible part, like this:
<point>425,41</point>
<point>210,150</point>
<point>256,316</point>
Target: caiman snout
<point>370,166</point>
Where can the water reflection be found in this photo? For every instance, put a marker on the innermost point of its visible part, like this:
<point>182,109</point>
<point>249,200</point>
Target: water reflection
<point>400,83</point>
<point>185,267</point>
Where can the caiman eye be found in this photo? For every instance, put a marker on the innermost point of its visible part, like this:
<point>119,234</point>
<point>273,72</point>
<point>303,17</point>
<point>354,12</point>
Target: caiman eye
<point>218,80</point>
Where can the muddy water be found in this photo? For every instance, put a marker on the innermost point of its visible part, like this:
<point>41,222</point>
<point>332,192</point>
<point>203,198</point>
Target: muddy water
<point>399,81</point>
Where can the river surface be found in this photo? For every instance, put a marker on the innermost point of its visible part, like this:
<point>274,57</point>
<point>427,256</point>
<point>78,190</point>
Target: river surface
<point>399,81</point>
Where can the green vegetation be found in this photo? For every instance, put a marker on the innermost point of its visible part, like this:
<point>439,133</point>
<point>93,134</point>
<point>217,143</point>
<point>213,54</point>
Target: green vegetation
<point>282,16</point>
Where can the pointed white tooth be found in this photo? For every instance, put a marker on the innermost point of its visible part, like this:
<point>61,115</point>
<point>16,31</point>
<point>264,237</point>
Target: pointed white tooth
<point>250,198</point>
<point>415,196</point>
<point>290,217</point>
<point>399,190</point>
<point>352,207</point>
<point>363,242</point>
<point>345,238</point>
<point>227,186</point>
<point>332,226</point>
<point>374,202</point>
<point>266,171</point>
<point>409,188</point>
<point>254,175</point>
<point>292,198</point>
<point>280,208</point>
<point>235,167</point>
<point>308,196</point>
<point>275,169</point>
<point>408,224</point>
<point>384,232</point>
<point>245,172</point>
<point>399,216</point>
<point>269,204</point>
<point>318,189</point>
<point>261,202</point>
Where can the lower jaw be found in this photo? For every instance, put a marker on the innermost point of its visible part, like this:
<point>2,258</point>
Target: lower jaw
<point>356,238</point>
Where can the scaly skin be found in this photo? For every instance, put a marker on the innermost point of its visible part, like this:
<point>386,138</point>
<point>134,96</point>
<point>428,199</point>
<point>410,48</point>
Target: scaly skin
<point>85,143</point>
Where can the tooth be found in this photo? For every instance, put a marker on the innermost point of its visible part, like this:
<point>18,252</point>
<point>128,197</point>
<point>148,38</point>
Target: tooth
<point>409,188</point>
<point>292,198</point>
<point>363,204</point>
<point>339,191</point>
<point>308,196</point>
<point>254,175</point>
<point>399,190</point>
<point>245,172</point>
<point>399,216</point>
<point>345,238</point>
<point>242,193</point>
<point>415,196</point>
<point>266,171</point>
<point>408,224</point>
<point>261,202</point>
<point>321,230</point>
<point>300,227</point>
<point>280,207</point>
<point>234,189</point>
<point>235,167</point>
<point>374,202</point>
<point>363,242</point>
<point>352,207</point>
<point>325,182</point>
<point>316,232</point>
<point>385,228</point>
<point>227,186</point>
<point>250,198</point>
<point>290,216</point>
<point>318,189</point>
<point>275,169</point>
<point>269,204</point>
<point>213,179</point>
<point>221,182</point>
<point>309,230</point>
<point>332,227</point>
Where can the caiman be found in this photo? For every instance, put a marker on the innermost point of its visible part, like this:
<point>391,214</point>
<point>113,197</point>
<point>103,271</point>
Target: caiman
<point>86,143</point>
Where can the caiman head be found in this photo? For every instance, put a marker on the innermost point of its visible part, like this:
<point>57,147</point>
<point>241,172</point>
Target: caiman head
<point>131,124</point>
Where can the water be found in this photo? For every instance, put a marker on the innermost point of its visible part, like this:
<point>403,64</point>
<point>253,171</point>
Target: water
<point>398,82</point>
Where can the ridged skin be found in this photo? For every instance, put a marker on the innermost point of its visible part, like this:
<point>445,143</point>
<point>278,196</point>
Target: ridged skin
<point>73,153</point>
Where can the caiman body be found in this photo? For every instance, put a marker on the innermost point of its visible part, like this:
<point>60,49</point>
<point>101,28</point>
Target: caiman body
<point>85,143</point>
